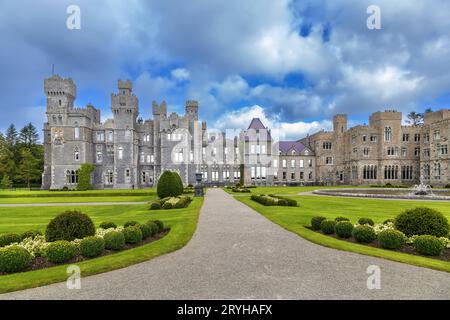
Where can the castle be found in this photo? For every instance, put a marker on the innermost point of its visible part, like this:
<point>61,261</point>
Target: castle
<point>128,152</point>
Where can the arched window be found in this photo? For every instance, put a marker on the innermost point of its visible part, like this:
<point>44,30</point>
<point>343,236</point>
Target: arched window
<point>387,134</point>
<point>72,176</point>
<point>109,177</point>
<point>120,153</point>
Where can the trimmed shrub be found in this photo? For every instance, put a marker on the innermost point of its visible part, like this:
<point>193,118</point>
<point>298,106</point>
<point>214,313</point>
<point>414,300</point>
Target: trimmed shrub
<point>159,224</point>
<point>364,234</point>
<point>69,225</point>
<point>344,229</point>
<point>364,221</point>
<point>391,239</point>
<point>114,240</point>
<point>60,251</point>
<point>339,219</point>
<point>389,221</point>
<point>182,203</point>
<point>92,247</point>
<point>167,205</point>
<point>30,234</point>
<point>155,205</point>
<point>328,226</point>
<point>153,227</point>
<point>130,224</point>
<point>179,182</point>
<point>108,225</point>
<point>168,185</point>
<point>14,258</point>
<point>422,221</point>
<point>132,234</point>
<point>428,245</point>
<point>9,238</point>
<point>316,222</point>
<point>282,201</point>
<point>146,231</point>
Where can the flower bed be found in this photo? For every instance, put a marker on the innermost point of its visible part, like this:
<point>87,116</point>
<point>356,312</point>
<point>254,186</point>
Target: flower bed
<point>274,200</point>
<point>388,235</point>
<point>35,252</point>
<point>171,203</point>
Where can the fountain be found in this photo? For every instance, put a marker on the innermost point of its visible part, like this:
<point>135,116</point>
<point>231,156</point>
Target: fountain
<point>422,189</point>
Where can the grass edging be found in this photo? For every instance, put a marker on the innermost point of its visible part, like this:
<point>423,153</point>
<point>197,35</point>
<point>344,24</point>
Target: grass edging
<point>180,234</point>
<point>333,243</point>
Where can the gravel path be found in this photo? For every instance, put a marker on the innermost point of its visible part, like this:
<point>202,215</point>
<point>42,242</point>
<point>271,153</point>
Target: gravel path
<point>238,254</point>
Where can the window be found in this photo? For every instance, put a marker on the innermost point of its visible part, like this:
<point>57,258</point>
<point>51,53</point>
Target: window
<point>302,163</point>
<point>148,158</point>
<point>437,134</point>
<point>404,152</point>
<point>407,172</point>
<point>437,171</point>
<point>417,151</point>
<point>60,102</point>
<point>100,136</point>
<point>391,151</point>
<point>417,137</point>
<point>109,177</point>
<point>310,176</point>
<point>369,172</point>
<point>366,152</point>
<point>144,176</point>
<point>391,172</point>
<point>310,162</point>
<point>110,136</point>
<point>263,149</point>
<point>284,163</point>
<point>387,134</point>
<point>426,137</point>
<point>364,138</point>
<point>292,163</point>
<point>253,172</point>
<point>328,160</point>
<point>405,137</point>
<point>426,153</point>
<point>275,163</point>
<point>99,156</point>
<point>252,149</point>
<point>275,175</point>
<point>120,153</point>
<point>72,176</point>
<point>76,154</point>
<point>293,176</point>
<point>146,137</point>
<point>77,133</point>
<point>443,150</point>
<point>355,150</point>
<point>302,175</point>
<point>426,172</point>
<point>179,156</point>
<point>263,172</point>
<point>327,145</point>
<point>142,157</point>
<point>284,175</point>
<point>373,139</point>
<point>353,139</point>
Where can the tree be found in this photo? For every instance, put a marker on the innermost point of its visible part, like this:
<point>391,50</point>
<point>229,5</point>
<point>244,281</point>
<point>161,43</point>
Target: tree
<point>7,160</point>
<point>179,182</point>
<point>28,135</point>
<point>428,110</point>
<point>415,118</point>
<point>11,135</point>
<point>84,177</point>
<point>6,182</point>
<point>28,167</point>
<point>168,185</point>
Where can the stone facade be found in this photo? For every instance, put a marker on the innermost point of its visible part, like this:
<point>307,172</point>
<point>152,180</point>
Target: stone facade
<point>129,152</point>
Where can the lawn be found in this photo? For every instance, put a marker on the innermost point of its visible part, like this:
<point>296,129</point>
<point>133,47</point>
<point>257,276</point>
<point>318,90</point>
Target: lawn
<point>295,220</point>
<point>28,197</point>
<point>182,224</point>
<point>283,190</point>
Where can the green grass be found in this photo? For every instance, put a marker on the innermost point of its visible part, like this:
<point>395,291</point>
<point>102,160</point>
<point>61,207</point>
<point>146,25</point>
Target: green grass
<point>29,197</point>
<point>295,220</point>
<point>283,190</point>
<point>182,224</point>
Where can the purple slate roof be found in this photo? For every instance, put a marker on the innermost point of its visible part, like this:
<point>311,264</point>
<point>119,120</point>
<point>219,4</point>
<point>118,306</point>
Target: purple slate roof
<point>256,124</point>
<point>287,146</point>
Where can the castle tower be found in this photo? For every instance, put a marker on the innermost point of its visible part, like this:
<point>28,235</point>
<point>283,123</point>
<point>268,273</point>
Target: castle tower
<point>192,109</point>
<point>124,106</point>
<point>340,123</point>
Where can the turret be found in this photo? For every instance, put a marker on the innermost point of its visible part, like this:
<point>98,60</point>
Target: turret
<point>124,106</point>
<point>340,123</point>
<point>60,94</point>
<point>192,109</point>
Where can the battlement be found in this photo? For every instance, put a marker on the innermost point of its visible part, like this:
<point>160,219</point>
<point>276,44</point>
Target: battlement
<point>159,110</point>
<point>56,86</point>
<point>386,115</point>
<point>125,85</point>
<point>192,103</point>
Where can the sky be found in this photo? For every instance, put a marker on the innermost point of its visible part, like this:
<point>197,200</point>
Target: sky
<point>294,64</point>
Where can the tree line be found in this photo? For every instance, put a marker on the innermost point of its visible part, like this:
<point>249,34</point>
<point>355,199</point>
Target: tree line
<point>21,157</point>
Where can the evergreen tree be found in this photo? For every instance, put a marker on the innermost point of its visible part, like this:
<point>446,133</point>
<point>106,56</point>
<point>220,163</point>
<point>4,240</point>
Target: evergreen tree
<point>11,135</point>
<point>28,135</point>
<point>6,182</point>
<point>415,118</point>
<point>7,161</point>
<point>28,170</point>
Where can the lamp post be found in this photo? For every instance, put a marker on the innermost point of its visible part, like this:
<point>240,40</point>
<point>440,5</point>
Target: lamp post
<point>198,187</point>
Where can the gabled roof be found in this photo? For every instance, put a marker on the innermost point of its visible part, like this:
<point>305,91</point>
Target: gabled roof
<point>256,124</point>
<point>287,146</point>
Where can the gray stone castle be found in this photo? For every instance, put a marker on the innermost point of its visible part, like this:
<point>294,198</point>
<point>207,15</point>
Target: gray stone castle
<point>128,152</point>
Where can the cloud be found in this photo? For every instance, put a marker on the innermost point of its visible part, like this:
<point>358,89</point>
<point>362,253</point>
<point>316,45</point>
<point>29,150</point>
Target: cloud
<point>180,74</point>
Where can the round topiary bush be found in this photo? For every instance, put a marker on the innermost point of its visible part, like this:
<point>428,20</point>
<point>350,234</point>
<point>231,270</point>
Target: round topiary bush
<point>160,225</point>
<point>339,219</point>
<point>364,234</point>
<point>422,221</point>
<point>428,245</point>
<point>391,239</point>
<point>364,221</point>
<point>146,231</point>
<point>30,234</point>
<point>153,227</point>
<point>179,183</point>
<point>60,251</point>
<point>344,229</point>
<point>316,222</point>
<point>92,247</point>
<point>9,238</point>
<point>114,240</point>
<point>168,185</point>
<point>108,225</point>
<point>155,205</point>
<point>132,234</point>
<point>387,221</point>
<point>69,225</point>
<point>14,258</point>
<point>130,224</point>
<point>328,226</point>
